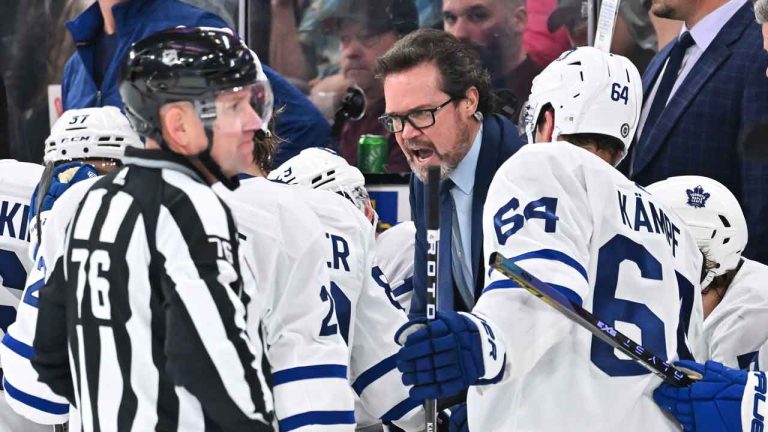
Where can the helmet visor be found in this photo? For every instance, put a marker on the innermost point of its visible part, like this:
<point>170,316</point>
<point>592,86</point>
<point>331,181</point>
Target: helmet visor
<point>252,105</point>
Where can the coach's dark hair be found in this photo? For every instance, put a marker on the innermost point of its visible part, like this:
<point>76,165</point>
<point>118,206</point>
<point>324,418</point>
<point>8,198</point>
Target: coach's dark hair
<point>457,63</point>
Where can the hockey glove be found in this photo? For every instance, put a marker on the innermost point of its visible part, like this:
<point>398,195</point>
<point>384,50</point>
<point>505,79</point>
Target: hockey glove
<point>458,419</point>
<point>447,355</point>
<point>710,405</point>
<point>64,176</point>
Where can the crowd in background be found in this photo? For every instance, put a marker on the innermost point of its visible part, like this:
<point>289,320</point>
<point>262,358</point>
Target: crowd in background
<point>326,46</point>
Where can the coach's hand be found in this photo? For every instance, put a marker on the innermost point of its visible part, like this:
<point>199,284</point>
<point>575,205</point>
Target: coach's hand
<point>713,403</point>
<point>447,355</point>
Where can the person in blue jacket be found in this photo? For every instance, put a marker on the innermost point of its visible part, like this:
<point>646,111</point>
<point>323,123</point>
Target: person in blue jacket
<point>104,32</point>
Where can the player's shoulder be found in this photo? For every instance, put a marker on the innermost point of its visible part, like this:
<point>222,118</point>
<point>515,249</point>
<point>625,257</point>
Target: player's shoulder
<point>264,192</point>
<point>398,236</point>
<point>749,283</point>
<point>19,177</point>
<point>274,204</point>
<point>532,160</point>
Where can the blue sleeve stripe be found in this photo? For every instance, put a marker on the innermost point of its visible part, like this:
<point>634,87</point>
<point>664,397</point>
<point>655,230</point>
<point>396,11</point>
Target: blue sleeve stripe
<point>501,284</point>
<point>309,372</point>
<point>510,284</point>
<point>18,347</point>
<point>375,372</point>
<point>398,411</point>
<point>552,255</point>
<point>406,287</point>
<point>28,297</point>
<point>316,418</point>
<point>35,402</point>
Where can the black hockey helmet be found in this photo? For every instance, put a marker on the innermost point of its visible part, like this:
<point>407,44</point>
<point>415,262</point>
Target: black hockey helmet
<point>192,64</point>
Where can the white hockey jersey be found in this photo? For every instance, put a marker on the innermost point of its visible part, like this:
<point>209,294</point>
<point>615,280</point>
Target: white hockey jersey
<point>394,255</point>
<point>24,393</point>
<point>738,326</point>
<point>283,245</point>
<point>572,220</point>
<point>17,183</point>
<point>367,315</point>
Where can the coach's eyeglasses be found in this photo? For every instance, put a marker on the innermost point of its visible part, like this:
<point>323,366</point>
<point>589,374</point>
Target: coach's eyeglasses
<point>418,118</point>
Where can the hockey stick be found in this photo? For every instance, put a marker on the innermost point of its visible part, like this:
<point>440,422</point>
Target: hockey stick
<point>675,376</point>
<point>433,241</point>
<point>609,11</point>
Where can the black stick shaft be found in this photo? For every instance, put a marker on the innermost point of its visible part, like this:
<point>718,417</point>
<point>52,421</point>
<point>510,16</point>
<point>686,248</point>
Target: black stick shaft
<point>433,240</point>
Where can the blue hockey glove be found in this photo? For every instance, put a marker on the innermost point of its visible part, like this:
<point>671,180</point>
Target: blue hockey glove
<point>64,176</point>
<point>458,420</point>
<point>447,355</point>
<point>710,405</point>
<point>453,419</point>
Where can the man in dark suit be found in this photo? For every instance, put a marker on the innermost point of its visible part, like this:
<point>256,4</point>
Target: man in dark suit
<point>438,105</point>
<point>703,94</point>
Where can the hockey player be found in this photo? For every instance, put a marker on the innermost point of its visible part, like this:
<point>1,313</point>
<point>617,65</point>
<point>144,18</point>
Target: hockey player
<point>568,217</point>
<point>734,296</point>
<point>735,308</point>
<point>97,136</point>
<point>17,183</point>
<point>141,322</point>
<point>366,314</point>
<point>283,244</point>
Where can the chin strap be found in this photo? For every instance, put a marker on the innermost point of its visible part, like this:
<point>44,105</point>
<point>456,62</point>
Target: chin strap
<point>231,183</point>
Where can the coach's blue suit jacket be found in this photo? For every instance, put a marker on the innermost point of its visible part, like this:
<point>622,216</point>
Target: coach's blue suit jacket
<point>500,140</point>
<point>724,96</point>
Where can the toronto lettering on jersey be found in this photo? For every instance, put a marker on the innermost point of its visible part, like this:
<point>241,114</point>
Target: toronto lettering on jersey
<point>13,220</point>
<point>647,217</point>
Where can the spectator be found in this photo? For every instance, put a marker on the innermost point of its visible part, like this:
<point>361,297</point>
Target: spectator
<point>495,29</point>
<point>634,35</point>
<point>365,35</point>
<point>439,106</point>
<point>711,93</point>
<point>542,45</point>
<point>104,32</point>
<point>287,54</point>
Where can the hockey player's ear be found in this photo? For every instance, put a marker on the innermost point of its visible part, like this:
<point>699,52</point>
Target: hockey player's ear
<point>545,129</point>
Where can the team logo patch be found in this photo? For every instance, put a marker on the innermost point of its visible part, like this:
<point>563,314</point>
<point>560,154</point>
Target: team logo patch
<point>697,197</point>
<point>170,57</point>
<point>624,130</point>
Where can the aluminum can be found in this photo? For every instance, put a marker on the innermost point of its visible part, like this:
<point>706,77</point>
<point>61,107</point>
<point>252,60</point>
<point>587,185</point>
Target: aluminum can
<point>372,153</point>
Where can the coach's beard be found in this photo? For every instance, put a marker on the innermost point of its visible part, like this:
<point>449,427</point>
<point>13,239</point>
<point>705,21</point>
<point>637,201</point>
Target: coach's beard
<point>447,161</point>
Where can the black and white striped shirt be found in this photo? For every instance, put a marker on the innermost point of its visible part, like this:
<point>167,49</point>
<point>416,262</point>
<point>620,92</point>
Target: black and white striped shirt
<point>144,311</point>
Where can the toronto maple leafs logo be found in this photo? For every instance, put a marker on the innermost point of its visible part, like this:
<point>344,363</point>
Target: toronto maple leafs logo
<point>697,197</point>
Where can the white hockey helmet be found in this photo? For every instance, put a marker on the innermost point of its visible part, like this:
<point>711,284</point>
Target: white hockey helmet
<point>322,168</point>
<point>591,92</point>
<point>87,133</point>
<point>712,214</point>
